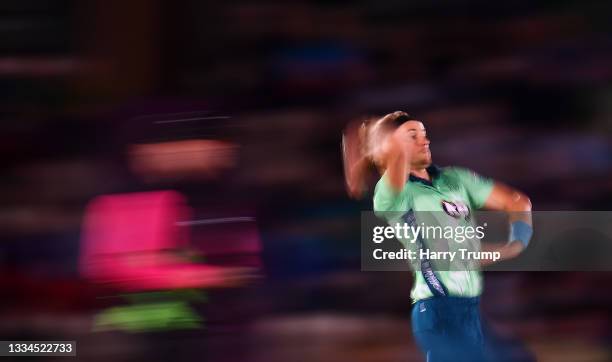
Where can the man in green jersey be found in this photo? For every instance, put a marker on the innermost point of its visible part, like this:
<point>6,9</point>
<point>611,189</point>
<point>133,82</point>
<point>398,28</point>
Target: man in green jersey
<point>445,318</point>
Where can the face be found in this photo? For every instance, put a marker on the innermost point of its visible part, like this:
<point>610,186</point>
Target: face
<point>416,139</point>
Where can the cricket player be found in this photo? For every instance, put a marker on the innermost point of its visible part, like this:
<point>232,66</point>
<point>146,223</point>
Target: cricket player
<point>446,318</point>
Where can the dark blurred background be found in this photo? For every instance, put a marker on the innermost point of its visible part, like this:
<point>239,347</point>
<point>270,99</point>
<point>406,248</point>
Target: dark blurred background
<point>519,91</point>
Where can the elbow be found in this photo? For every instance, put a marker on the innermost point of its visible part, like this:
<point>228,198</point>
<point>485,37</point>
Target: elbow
<point>355,187</point>
<point>520,202</point>
<point>525,203</point>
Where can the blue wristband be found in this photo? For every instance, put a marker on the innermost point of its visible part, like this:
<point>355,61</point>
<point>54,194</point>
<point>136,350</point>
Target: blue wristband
<point>520,230</point>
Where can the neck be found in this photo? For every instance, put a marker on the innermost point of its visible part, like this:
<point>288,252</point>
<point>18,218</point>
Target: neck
<point>421,172</point>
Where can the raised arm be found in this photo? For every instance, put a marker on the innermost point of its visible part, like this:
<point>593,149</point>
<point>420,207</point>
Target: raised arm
<point>396,157</point>
<point>375,143</point>
<point>356,163</point>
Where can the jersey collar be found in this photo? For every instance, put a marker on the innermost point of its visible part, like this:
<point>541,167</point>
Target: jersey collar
<point>432,170</point>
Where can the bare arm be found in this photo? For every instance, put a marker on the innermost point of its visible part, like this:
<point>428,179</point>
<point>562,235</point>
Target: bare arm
<point>518,207</point>
<point>388,150</point>
<point>397,161</point>
<point>355,162</point>
<point>514,202</point>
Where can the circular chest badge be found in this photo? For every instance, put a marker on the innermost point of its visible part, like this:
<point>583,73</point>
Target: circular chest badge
<point>456,209</point>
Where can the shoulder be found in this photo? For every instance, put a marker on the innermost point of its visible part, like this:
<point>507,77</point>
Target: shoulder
<point>463,177</point>
<point>453,176</point>
<point>381,184</point>
<point>460,173</point>
<point>454,170</point>
<point>383,188</point>
<point>449,171</point>
<point>385,197</point>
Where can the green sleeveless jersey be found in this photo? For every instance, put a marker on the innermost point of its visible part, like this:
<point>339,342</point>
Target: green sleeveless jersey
<point>451,192</point>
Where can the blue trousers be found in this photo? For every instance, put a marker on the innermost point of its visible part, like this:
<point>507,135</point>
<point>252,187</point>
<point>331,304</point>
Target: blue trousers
<point>451,329</point>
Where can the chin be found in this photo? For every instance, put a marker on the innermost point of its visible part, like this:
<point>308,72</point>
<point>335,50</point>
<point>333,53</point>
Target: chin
<point>422,163</point>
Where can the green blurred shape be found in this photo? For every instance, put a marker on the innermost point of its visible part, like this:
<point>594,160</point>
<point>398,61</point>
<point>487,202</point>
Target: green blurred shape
<point>147,317</point>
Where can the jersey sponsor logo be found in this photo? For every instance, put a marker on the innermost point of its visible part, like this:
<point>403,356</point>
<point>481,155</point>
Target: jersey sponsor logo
<point>456,209</point>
